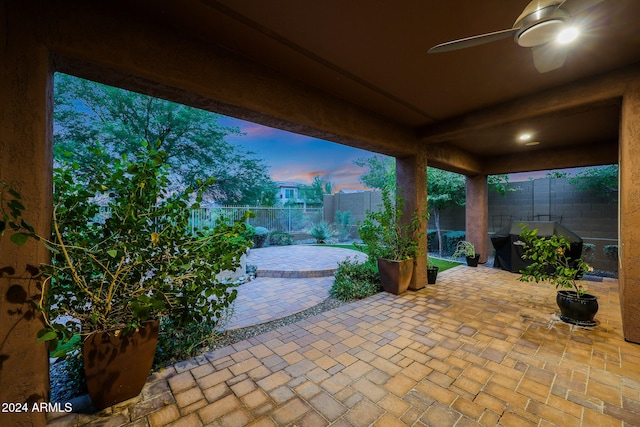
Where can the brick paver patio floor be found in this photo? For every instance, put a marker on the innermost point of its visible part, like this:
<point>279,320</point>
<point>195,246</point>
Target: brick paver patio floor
<point>477,348</point>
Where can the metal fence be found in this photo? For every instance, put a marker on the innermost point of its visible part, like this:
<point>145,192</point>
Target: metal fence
<point>281,218</point>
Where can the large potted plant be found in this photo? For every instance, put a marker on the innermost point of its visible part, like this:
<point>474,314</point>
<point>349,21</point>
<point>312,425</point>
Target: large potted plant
<point>549,263</point>
<point>392,242</point>
<point>116,270</point>
<point>467,250</point>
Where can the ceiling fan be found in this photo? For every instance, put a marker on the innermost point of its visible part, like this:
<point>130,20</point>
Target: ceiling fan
<point>537,28</point>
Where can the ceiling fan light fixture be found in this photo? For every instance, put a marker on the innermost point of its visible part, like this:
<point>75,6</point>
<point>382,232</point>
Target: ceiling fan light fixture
<point>567,35</point>
<point>540,33</point>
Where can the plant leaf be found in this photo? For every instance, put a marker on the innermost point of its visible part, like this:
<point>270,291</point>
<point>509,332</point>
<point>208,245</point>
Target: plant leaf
<point>47,337</point>
<point>19,238</point>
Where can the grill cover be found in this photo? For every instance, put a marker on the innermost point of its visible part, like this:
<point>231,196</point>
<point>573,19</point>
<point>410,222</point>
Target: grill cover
<point>509,251</point>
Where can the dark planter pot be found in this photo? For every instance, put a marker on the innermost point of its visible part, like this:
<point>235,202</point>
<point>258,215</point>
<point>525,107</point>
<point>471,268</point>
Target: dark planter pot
<point>117,367</point>
<point>395,275</point>
<point>472,261</point>
<point>577,310</point>
<point>432,274</point>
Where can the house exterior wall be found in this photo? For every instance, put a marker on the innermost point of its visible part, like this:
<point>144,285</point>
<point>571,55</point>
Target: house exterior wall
<point>288,194</point>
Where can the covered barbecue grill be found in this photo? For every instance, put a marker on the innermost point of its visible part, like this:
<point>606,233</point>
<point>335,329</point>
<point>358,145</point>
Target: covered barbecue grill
<point>509,247</point>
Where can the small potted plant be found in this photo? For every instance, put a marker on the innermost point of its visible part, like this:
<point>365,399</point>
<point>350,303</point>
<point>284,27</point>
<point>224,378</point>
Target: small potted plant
<point>549,263</point>
<point>393,243</point>
<point>432,272</point>
<point>466,249</point>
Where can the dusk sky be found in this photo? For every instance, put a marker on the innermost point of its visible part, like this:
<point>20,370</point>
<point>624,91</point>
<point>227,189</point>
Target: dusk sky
<point>299,158</point>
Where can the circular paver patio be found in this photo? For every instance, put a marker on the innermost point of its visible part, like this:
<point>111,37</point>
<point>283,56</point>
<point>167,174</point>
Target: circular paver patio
<point>289,279</point>
<point>299,261</point>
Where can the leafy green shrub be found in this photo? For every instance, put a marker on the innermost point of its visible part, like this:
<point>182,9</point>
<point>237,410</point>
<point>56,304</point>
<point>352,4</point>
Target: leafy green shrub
<point>354,280</point>
<point>249,232</point>
<point>280,238</point>
<point>177,343</point>
<point>260,237</point>
<point>451,239</point>
<point>322,232</point>
<point>141,261</point>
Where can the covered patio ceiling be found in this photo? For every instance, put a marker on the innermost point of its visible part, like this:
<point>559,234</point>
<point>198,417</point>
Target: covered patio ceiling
<point>468,104</point>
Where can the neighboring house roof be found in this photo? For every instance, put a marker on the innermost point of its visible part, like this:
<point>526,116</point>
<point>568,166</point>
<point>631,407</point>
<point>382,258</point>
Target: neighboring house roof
<point>282,184</point>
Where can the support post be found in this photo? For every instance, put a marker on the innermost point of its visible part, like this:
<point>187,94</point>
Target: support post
<point>411,183</point>
<point>26,164</point>
<point>629,211</point>
<point>477,214</point>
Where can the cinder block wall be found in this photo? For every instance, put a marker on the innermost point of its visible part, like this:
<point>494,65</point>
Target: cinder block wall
<point>593,218</point>
<point>357,203</point>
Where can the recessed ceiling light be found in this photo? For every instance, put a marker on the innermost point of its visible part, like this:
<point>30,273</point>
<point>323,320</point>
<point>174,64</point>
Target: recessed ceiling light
<point>567,35</point>
<point>532,143</point>
<point>524,136</point>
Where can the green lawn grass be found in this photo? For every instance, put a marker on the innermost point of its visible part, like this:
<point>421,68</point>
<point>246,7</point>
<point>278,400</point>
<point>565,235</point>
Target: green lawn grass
<point>442,264</point>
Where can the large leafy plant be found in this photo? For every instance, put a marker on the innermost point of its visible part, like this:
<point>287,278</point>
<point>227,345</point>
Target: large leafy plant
<point>386,235</point>
<point>549,261</point>
<point>136,259</point>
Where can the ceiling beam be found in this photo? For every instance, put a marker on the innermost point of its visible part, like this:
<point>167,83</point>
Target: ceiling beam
<point>588,91</point>
<point>453,159</point>
<point>603,153</point>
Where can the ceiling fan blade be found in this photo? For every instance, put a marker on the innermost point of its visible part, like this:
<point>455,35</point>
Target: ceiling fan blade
<point>575,7</point>
<point>548,57</point>
<point>473,41</point>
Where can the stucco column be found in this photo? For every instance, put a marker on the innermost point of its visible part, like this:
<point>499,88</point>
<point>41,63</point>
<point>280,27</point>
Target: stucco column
<point>25,162</point>
<point>629,210</point>
<point>477,214</point>
<point>411,181</point>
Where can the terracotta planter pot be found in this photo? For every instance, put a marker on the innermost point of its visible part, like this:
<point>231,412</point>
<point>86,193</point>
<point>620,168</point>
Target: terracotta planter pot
<point>395,275</point>
<point>117,367</point>
<point>577,311</point>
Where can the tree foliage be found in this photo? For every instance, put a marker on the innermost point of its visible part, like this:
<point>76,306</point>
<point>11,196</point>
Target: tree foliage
<point>381,171</point>
<point>89,113</point>
<point>313,194</point>
<point>603,181</point>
